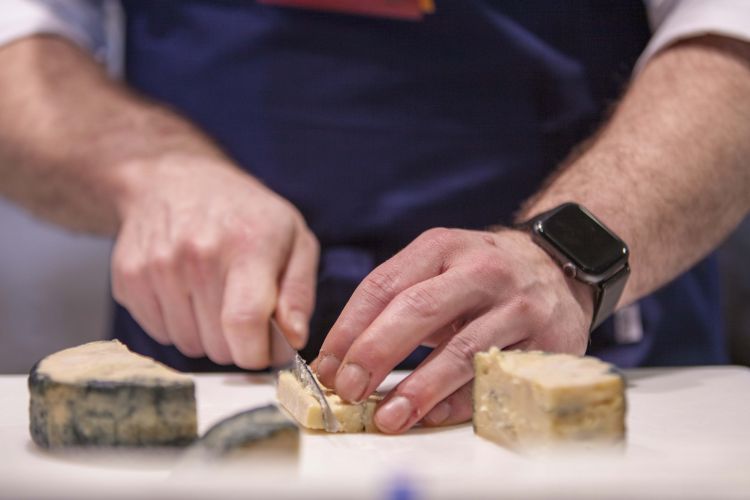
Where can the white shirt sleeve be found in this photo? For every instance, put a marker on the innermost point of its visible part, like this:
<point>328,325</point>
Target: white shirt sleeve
<point>675,20</point>
<point>94,25</point>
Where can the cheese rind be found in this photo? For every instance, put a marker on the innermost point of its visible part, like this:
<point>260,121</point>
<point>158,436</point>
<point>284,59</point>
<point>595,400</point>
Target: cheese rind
<point>532,400</point>
<point>305,408</point>
<point>101,394</point>
<point>263,430</point>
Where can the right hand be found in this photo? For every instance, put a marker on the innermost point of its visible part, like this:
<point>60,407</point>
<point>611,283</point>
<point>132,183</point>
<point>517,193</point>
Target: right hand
<point>205,255</point>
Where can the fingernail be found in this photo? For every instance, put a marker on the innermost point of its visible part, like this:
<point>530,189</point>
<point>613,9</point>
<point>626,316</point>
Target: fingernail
<point>393,415</point>
<point>327,366</point>
<point>438,414</point>
<point>298,322</point>
<point>351,382</point>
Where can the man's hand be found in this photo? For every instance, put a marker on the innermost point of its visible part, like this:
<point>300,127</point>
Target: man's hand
<point>668,174</point>
<point>204,257</point>
<point>461,292</point>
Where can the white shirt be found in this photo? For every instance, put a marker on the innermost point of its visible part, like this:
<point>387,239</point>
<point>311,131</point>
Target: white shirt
<point>96,25</point>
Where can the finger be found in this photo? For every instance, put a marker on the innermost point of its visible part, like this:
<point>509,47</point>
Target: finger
<point>444,333</point>
<point>133,291</point>
<point>249,299</point>
<point>177,308</point>
<point>424,258</point>
<point>205,279</point>
<point>297,289</point>
<point>448,368</point>
<point>412,316</point>
<point>455,409</point>
<point>149,316</point>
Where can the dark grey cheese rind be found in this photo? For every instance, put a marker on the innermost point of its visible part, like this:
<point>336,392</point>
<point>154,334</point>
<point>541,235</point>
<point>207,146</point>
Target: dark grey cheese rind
<point>99,412</point>
<point>259,430</point>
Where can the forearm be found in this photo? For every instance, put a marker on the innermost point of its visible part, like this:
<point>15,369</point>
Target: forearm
<point>75,145</point>
<point>669,173</point>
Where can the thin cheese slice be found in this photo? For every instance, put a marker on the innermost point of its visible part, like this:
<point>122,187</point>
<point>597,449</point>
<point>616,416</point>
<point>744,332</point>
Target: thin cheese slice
<point>536,400</point>
<point>263,431</point>
<point>305,408</point>
<point>102,394</point>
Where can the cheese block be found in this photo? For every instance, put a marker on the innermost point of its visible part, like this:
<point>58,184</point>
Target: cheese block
<point>536,400</point>
<point>102,394</point>
<point>264,430</point>
<point>305,408</point>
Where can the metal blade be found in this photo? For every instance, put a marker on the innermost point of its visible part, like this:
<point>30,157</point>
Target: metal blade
<point>303,373</point>
<point>282,354</point>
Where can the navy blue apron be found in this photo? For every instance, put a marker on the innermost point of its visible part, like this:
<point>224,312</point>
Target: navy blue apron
<point>378,129</point>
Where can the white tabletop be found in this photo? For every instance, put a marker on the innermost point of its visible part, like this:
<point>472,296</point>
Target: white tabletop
<point>688,437</point>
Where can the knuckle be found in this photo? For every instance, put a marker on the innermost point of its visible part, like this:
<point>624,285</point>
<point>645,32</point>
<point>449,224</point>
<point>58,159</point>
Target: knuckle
<point>125,271</point>
<point>298,293</point>
<point>379,286</point>
<point>462,349</point>
<point>240,321</point>
<point>437,234</point>
<point>420,302</point>
<point>195,251</point>
<point>125,277</point>
<point>523,307</point>
<point>243,236</point>
<point>312,241</point>
<point>162,261</point>
<point>439,238</point>
<point>490,266</point>
<point>199,262</point>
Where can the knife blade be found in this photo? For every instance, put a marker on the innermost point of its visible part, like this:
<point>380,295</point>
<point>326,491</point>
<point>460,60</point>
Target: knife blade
<point>304,375</point>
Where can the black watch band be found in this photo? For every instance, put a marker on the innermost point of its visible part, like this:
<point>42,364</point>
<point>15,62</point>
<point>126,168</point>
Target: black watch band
<point>587,251</point>
<point>607,294</point>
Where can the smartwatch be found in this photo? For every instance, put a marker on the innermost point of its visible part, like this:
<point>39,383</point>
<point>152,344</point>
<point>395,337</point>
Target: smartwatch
<point>587,251</point>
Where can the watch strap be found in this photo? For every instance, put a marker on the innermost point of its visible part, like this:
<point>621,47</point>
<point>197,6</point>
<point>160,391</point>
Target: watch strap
<point>608,292</point>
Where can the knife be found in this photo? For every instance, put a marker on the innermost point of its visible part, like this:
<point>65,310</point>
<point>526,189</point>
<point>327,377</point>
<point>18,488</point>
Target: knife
<point>303,374</point>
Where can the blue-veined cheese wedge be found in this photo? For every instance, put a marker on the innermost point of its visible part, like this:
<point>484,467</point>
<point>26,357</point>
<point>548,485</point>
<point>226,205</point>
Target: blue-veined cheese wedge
<point>535,400</point>
<point>102,394</point>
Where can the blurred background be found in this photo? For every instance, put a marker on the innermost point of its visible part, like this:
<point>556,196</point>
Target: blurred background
<point>54,289</point>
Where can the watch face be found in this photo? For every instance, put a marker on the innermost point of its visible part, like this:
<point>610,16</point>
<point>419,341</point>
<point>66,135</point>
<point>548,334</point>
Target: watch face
<point>585,241</point>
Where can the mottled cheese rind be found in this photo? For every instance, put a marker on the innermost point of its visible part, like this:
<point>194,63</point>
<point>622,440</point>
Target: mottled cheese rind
<point>264,430</point>
<point>101,394</point>
<point>305,408</point>
<point>533,400</point>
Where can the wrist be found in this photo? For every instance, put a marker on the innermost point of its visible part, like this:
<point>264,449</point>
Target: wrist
<point>583,293</point>
<point>587,251</point>
<point>148,174</point>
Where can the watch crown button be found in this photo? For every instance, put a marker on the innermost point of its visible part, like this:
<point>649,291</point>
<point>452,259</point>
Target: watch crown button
<point>569,269</point>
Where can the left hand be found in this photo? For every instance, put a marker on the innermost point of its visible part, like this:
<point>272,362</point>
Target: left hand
<point>461,292</point>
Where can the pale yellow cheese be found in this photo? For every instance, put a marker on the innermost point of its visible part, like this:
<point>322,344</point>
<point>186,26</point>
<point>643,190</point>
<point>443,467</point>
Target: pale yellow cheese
<point>532,400</point>
<point>305,408</point>
<point>109,361</point>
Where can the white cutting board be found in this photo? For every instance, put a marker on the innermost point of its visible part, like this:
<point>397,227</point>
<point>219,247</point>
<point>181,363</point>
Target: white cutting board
<point>688,437</point>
